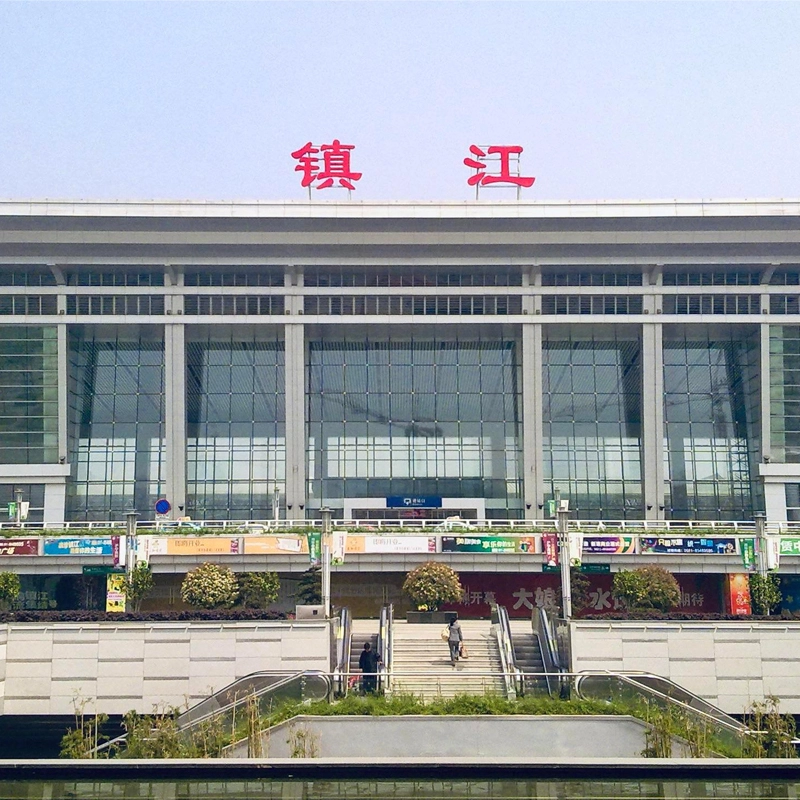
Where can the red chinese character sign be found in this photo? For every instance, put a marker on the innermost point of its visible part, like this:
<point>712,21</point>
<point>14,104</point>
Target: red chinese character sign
<point>334,170</point>
<point>501,158</point>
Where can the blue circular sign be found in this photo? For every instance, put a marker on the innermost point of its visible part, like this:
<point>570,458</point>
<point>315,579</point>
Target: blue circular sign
<point>163,506</point>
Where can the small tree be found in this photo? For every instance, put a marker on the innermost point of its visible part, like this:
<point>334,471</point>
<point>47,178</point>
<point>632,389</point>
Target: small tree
<point>309,587</point>
<point>431,584</point>
<point>210,586</point>
<point>649,587</point>
<point>259,589</point>
<point>138,584</point>
<point>9,589</point>
<point>765,592</point>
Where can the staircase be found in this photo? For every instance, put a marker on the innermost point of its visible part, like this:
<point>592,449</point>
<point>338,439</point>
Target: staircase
<point>361,630</point>
<point>421,661</point>
<point>528,656</point>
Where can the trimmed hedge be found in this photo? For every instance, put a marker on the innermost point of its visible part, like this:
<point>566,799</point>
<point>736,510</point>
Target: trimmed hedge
<point>195,615</point>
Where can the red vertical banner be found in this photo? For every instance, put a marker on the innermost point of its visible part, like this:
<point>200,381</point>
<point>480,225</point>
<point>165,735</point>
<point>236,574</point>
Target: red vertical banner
<point>737,594</point>
<point>115,549</point>
<point>550,549</point>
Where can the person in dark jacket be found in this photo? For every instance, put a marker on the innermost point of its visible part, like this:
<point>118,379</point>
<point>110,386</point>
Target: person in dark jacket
<point>454,639</point>
<point>368,664</point>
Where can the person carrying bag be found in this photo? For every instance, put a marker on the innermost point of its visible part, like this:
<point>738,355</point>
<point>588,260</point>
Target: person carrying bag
<point>454,639</point>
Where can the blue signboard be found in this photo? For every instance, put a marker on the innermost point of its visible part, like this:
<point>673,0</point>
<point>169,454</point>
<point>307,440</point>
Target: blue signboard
<point>414,501</point>
<point>95,546</point>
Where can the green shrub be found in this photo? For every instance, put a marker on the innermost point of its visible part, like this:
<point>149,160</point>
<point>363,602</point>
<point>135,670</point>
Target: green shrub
<point>210,586</point>
<point>646,587</point>
<point>9,589</point>
<point>138,584</point>
<point>309,587</point>
<point>431,584</point>
<point>765,593</point>
<point>259,589</point>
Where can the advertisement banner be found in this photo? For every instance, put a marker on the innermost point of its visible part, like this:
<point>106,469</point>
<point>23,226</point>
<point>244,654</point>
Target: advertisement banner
<point>19,547</point>
<point>737,594</point>
<point>314,539</point>
<point>393,544</point>
<point>274,545</point>
<point>749,554</point>
<point>675,544</point>
<point>790,546</point>
<point>488,544</point>
<point>115,594</point>
<point>338,546</point>
<point>193,546</point>
<point>620,545</point>
<point>91,546</point>
<point>550,548</point>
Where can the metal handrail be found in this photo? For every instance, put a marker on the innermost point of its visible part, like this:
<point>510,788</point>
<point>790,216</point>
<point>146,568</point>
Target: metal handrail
<point>343,646</point>
<point>543,634</point>
<point>384,647</point>
<point>505,644</point>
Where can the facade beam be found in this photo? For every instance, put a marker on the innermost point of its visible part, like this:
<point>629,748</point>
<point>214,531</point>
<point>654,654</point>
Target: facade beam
<point>533,478</point>
<point>175,423</point>
<point>653,420</point>
<point>295,372</point>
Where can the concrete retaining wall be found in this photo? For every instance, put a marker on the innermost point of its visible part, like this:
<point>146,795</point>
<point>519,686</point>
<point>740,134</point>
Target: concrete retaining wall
<point>138,665</point>
<point>458,736</point>
<point>730,664</point>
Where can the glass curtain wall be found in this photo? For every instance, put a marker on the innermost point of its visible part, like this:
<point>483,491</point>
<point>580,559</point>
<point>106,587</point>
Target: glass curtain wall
<point>28,395</point>
<point>414,416</point>
<point>236,440</point>
<point>784,384</point>
<point>116,421</point>
<point>711,422</point>
<point>592,422</point>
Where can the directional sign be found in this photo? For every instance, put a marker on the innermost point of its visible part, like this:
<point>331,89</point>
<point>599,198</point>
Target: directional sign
<point>414,501</point>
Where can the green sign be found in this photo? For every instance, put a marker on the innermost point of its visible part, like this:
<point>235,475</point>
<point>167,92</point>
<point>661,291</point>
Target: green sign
<point>12,510</point>
<point>790,546</point>
<point>749,554</point>
<point>592,569</point>
<point>314,539</point>
<point>101,569</point>
<point>550,508</point>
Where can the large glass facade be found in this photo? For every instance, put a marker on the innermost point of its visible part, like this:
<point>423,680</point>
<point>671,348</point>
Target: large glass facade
<point>711,422</point>
<point>592,422</point>
<point>28,394</point>
<point>784,387</point>
<point>421,416</point>
<point>116,421</point>
<point>236,445</point>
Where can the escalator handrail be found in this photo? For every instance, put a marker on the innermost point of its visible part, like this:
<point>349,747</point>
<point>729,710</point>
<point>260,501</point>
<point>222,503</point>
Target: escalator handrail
<point>284,680</point>
<point>384,646</point>
<point>505,643</point>
<point>731,725</point>
<point>344,633</point>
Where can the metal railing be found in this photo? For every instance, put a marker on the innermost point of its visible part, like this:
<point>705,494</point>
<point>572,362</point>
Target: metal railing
<point>521,526</point>
<point>548,646</point>
<point>505,644</point>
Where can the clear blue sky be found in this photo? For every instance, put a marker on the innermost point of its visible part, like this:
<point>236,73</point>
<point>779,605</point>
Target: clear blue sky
<point>207,100</point>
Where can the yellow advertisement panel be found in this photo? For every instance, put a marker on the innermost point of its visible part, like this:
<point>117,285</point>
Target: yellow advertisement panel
<point>115,596</point>
<point>194,546</point>
<point>275,545</point>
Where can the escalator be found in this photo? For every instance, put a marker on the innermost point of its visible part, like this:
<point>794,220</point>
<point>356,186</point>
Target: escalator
<point>529,661</point>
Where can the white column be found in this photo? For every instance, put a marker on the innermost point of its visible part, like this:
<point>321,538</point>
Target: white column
<point>652,420</point>
<point>533,478</point>
<point>55,498</point>
<point>295,372</point>
<point>63,394</point>
<point>175,422</point>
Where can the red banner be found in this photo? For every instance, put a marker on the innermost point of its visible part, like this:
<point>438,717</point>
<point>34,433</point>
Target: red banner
<point>520,593</point>
<point>737,594</point>
<point>550,549</point>
<point>19,547</point>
